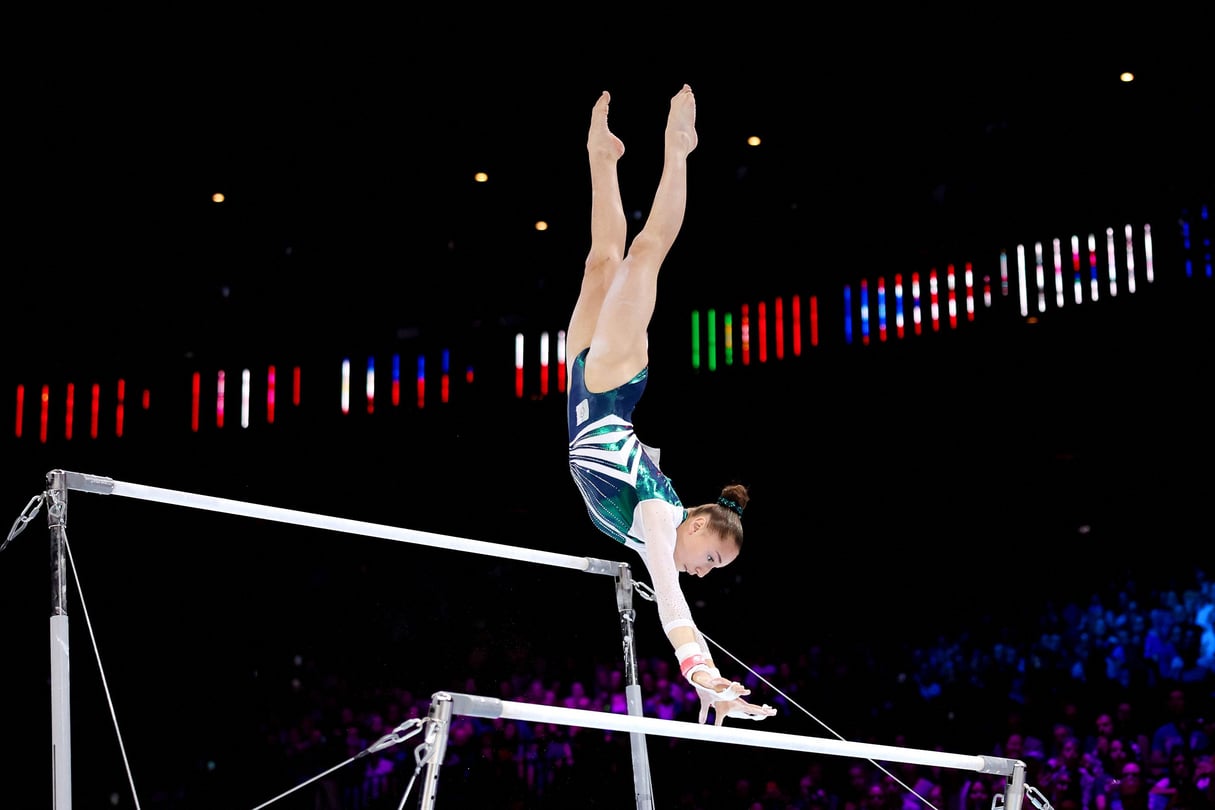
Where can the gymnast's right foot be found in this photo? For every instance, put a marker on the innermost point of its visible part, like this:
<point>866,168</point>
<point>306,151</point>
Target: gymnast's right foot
<point>681,123</point>
<point>601,142</point>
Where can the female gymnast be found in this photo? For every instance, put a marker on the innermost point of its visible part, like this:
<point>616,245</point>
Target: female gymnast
<point>626,494</point>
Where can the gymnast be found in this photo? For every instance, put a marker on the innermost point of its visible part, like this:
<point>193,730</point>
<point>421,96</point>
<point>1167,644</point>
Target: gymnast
<point>627,496</point>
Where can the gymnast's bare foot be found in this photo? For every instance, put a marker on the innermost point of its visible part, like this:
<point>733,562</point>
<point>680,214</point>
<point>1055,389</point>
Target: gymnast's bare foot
<point>601,142</point>
<point>681,124</point>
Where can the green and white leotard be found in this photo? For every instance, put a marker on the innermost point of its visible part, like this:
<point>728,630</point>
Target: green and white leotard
<point>616,473</point>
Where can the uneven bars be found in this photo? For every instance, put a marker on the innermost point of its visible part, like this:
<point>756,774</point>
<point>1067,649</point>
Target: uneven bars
<point>478,706</point>
<point>108,486</point>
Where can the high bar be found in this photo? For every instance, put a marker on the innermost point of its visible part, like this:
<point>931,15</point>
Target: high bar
<point>83,482</point>
<point>479,706</point>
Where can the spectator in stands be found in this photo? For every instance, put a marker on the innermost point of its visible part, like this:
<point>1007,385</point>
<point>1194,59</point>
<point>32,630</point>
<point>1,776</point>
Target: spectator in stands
<point>1130,792</point>
<point>1179,730</point>
<point>1065,781</point>
<point>1202,794</point>
<point>1098,742</point>
<point>974,795</point>
<point>1172,791</point>
<point>1106,774</point>
<point>858,779</point>
<point>1130,726</point>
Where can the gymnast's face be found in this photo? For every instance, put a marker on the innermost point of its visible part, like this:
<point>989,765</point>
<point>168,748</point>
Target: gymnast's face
<point>698,550</point>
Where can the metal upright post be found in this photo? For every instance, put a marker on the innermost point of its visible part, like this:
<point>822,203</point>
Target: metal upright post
<point>436,744</point>
<point>61,721</point>
<point>632,689</point>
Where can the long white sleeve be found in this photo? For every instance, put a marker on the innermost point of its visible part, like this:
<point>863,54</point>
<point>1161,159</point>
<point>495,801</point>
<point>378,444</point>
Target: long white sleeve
<point>656,522</point>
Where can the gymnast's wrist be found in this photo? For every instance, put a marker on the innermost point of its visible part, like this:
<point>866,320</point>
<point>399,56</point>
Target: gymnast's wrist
<point>691,659</point>
<point>711,671</point>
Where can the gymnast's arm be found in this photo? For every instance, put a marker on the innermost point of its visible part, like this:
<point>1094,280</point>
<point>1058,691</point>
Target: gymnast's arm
<point>658,524</point>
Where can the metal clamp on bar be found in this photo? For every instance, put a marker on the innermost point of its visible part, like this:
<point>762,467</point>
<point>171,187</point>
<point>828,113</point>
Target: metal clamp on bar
<point>27,514</point>
<point>1037,799</point>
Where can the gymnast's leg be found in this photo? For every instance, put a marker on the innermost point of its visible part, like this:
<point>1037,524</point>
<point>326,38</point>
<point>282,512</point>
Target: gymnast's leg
<point>608,229</point>
<point>618,342</point>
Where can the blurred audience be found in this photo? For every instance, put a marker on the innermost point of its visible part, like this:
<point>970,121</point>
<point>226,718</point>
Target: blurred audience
<point>1110,705</point>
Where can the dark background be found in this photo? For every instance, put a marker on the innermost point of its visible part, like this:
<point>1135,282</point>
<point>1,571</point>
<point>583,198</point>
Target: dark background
<point>899,490</point>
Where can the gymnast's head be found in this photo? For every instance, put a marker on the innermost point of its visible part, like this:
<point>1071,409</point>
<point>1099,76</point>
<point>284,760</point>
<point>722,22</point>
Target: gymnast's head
<point>711,535</point>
